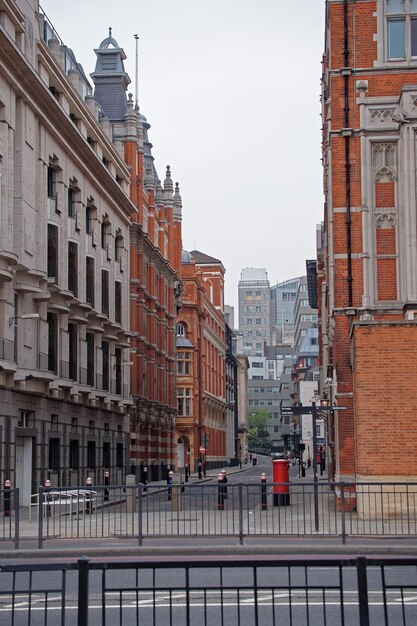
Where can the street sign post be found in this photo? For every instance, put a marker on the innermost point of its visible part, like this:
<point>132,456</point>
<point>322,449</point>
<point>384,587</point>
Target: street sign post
<point>313,409</point>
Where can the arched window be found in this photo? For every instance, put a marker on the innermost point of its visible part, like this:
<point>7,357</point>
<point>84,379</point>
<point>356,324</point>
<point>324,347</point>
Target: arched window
<point>180,330</point>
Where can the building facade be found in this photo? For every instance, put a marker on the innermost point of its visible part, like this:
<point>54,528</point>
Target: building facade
<point>368,261</point>
<point>155,249</point>
<point>203,409</point>
<point>64,282</point>
<point>283,297</point>
<point>254,310</point>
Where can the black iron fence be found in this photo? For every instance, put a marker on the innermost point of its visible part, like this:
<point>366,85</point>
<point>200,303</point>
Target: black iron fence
<point>251,591</point>
<point>214,509</point>
<point>9,515</point>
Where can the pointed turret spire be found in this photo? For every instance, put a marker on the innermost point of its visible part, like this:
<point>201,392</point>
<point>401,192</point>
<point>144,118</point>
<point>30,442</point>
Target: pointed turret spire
<point>159,195</point>
<point>110,78</point>
<point>149,181</point>
<point>177,201</point>
<point>168,185</point>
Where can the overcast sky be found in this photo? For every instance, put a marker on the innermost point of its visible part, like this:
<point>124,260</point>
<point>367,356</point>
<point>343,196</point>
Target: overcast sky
<point>231,89</point>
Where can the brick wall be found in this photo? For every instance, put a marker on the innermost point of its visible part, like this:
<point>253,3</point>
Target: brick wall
<point>385,380</point>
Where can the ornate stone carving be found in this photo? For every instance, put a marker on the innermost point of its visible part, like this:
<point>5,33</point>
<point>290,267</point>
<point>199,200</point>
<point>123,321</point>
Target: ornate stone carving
<point>385,174</point>
<point>385,220</point>
<point>366,316</point>
<point>381,116</point>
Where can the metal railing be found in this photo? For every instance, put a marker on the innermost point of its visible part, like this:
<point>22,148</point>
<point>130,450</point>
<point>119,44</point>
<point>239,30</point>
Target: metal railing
<point>9,516</point>
<point>236,590</point>
<point>213,510</point>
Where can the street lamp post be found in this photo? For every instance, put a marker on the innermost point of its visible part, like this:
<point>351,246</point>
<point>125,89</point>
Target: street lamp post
<point>315,484</point>
<point>312,410</point>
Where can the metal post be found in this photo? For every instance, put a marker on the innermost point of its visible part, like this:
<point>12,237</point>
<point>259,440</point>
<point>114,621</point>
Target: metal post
<point>140,521</point>
<point>16,518</point>
<point>47,498</point>
<point>169,483</point>
<point>106,484</point>
<point>40,517</point>
<point>342,504</point>
<point>83,591</point>
<point>362,591</point>
<point>199,469</point>
<point>88,497</point>
<point>303,469</point>
<point>220,493</point>
<point>145,479</point>
<point>7,498</point>
<point>315,485</point>
<point>240,487</point>
<point>264,501</point>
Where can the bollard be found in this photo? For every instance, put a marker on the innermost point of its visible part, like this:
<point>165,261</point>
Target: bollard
<point>200,475</point>
<point>47,497</point>
<point>220,494</point>
<point>169,483</point>
<point>177,488</point>
<point>223,472</point>
<point>88,501</point>
<point>264,500</point>
<point>7,498</point>
<point>145,478</point>
<point>131,492</point>
<point>186,473</point>
<point>106,484</point>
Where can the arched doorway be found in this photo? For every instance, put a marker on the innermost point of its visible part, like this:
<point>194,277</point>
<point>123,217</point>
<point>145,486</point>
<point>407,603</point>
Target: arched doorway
<point>180,453</point>
<point>183,453</point>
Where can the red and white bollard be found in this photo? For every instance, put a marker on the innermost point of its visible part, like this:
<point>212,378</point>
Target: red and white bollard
<point>264,497</point>
<point>106,484</point>
<point>169,483</point>
<point>47,486</point>
<point>88,497</point>
<point>220,494</point>
<point>7,487</point>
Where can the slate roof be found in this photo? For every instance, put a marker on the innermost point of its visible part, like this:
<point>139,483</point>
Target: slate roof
<point>201,258</point>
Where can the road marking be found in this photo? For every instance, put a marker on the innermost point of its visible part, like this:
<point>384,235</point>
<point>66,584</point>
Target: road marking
<point>133,605</point>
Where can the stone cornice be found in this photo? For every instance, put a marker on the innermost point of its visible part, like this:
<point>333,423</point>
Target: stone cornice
<point>28,84</point>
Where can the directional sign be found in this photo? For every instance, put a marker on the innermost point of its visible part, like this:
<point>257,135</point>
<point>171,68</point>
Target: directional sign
<point>288,411</point>
<point>294,410</point>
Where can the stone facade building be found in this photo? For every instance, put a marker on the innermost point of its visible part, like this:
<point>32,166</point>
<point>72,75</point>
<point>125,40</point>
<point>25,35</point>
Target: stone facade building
<point>368,257</point>
<point>64,283</point>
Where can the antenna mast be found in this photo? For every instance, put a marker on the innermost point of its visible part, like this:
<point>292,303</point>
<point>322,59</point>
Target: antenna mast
<point>137,71</point>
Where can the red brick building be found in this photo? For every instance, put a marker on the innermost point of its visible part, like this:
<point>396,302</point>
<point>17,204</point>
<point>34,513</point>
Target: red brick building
<point>201,363</point>
<point>155,254</point>
<point>368,256</point>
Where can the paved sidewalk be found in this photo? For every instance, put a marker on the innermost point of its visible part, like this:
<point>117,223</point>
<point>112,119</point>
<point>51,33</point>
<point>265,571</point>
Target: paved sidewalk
<point>120,543</point>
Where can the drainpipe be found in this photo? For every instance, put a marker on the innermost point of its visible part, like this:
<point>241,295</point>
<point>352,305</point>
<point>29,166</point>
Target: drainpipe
<point>347,153</point>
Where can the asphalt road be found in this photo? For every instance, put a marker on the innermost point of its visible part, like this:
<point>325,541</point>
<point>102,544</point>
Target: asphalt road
<point>134,596</point>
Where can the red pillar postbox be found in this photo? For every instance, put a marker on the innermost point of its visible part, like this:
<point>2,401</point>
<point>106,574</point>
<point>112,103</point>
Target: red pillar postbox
<point>281,475</point>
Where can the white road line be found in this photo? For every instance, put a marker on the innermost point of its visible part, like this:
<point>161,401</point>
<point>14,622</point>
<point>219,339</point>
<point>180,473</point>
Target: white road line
<point>131,605</point>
